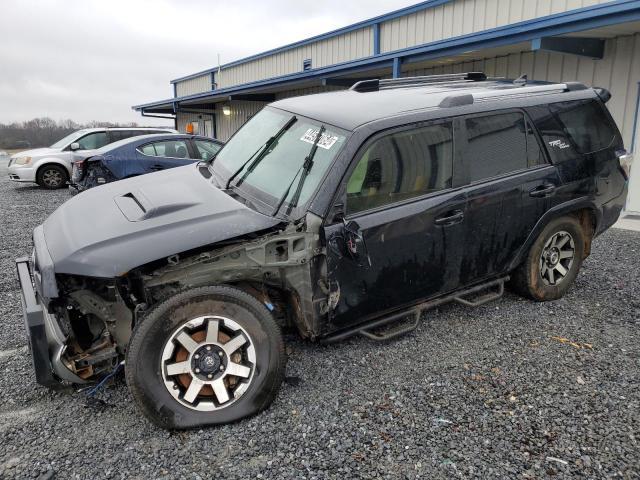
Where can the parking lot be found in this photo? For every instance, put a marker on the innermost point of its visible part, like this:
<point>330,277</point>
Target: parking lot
<point>510,389</point>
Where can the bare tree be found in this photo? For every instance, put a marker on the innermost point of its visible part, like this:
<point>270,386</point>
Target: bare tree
<point>44,131</point>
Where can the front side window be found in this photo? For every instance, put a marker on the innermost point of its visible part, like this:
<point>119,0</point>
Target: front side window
<point>402,165</point>
<point>586,123</point>
<point>265,158</point>
<point>497,144</point>
<point>166,148</point>
<point>205,150</point>
<point>93,141</point>
<point>66,141</point>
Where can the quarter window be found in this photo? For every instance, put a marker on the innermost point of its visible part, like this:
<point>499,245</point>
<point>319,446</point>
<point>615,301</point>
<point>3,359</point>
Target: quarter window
<point>586,124</point>
<point>167,148</point>
<point>402,165</point>
<point>206,150</point>
<point>500,144</point>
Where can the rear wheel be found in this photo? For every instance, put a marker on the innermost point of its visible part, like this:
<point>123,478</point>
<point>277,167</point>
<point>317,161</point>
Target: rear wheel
<point>209,356</point>
<point>553,261</point>
<point>52,176</point>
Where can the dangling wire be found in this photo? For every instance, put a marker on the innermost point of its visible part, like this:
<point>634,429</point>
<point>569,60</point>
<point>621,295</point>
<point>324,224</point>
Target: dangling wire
<point>100,384</point>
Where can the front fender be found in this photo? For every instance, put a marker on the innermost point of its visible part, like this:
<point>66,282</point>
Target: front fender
<point>52,160</point>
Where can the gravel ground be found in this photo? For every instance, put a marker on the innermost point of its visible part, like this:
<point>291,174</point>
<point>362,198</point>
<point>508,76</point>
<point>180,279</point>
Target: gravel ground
<point>511,389</point>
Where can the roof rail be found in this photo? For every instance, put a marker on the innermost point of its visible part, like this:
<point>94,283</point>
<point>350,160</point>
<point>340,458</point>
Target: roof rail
<point>375,84</point>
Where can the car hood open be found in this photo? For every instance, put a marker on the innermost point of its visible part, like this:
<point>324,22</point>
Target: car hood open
<point>107,231</point>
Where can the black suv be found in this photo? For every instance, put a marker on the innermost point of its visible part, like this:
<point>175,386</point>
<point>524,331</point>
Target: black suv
<point>333,214</point>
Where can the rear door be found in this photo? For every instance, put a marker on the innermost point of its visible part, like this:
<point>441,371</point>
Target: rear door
<point>400,240</point>
<point>510,187</point>
<point>164,154</point>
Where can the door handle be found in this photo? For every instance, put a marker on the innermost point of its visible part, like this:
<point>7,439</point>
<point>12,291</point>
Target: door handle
<point>156,167</point>
<point>450,218</point>
<point>543,190</point>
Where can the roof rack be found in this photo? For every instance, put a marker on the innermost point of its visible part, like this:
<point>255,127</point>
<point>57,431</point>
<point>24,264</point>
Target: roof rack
<point>375,85</point>
<point>460,99</point>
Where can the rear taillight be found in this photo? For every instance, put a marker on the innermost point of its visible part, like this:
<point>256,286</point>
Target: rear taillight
<point>624,160</point>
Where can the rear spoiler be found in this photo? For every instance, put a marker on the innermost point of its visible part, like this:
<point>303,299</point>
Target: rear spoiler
<point>603,93</point>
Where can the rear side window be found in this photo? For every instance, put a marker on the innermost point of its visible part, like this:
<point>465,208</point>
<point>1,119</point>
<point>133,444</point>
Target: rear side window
<point>120,135</point>
<point>586,124</point>
<point>206,150</point>
<point>499,144</point>
<point>402,165</point>
<point>166,148</point>
<point>93,141</point>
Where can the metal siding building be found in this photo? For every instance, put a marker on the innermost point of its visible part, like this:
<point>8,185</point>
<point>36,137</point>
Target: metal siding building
<point>596,42</point>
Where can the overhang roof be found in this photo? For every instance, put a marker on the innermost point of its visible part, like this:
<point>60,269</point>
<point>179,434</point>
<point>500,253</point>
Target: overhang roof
<point>602,21</point>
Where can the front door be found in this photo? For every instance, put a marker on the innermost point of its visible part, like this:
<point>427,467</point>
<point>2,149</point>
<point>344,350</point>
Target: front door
<point>400,240</point>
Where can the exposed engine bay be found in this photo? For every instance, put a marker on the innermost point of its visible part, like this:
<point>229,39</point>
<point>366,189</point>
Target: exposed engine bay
<point>283,269</point>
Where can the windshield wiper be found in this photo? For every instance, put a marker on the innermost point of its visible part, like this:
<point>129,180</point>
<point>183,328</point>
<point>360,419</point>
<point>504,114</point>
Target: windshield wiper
<point>260,154</point>
<point>306,168</point>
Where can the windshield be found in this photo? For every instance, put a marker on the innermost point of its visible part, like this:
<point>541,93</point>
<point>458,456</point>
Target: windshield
<point>268,178</point>
<point>68,139</point>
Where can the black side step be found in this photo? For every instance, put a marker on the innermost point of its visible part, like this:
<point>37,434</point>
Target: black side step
<point>366,330</point>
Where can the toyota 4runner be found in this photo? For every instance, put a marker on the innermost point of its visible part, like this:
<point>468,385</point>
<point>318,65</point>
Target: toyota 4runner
<point>333,214</point>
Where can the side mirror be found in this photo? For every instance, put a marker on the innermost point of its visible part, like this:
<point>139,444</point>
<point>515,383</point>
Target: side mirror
<point>74,146</point>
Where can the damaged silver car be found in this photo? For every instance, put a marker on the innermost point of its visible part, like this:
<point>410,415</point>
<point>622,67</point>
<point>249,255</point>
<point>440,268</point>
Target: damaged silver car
<point>330,214</point>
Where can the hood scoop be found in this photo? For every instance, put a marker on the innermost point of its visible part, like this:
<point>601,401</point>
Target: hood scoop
<point>137,206</point>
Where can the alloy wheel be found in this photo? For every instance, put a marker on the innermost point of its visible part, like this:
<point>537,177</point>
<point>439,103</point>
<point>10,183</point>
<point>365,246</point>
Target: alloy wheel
<point>208,363</point>
<point>557,258</point>
<point>52,178</point>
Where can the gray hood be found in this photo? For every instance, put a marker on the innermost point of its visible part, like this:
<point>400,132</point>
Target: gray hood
<point>108,230</point>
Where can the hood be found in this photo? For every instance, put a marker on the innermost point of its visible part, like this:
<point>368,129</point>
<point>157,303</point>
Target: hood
<point>36,152</point>
<point>108,230</point>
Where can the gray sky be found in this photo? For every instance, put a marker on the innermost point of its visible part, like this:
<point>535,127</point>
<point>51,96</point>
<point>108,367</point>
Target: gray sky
<point>93,59</point>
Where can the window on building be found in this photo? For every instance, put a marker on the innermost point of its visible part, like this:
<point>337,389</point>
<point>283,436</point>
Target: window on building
<point>402,165</point>
<point>497,144</point>
<point>586,123</point>
<point>166,148</point>
<point>93,141</point>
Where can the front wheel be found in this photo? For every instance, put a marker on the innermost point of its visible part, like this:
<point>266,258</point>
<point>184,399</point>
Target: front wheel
<point>553,261</point>
<point>52,177</point>
<point>209,356</point>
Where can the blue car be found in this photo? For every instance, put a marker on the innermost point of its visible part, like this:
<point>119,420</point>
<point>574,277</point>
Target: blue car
<point>140,155</point>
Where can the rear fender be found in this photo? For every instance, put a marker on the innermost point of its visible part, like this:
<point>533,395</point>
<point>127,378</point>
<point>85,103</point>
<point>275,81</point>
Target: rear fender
<point>578,207</point>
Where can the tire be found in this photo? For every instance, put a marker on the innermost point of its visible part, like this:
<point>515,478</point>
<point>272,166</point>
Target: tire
<point>52,176</point>
<point>154,348</point>
<point>537,278</point>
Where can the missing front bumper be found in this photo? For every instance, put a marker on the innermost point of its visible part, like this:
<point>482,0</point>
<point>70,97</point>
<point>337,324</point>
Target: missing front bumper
<point>46,340</point>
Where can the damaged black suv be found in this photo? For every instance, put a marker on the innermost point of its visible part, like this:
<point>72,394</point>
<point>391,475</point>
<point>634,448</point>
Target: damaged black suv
<point>332,214</point>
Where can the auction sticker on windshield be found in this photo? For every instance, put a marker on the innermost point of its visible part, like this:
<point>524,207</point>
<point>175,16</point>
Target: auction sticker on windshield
<point>326,140</point>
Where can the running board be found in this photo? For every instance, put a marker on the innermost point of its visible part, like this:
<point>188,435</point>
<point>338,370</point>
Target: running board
<point>367,330</point>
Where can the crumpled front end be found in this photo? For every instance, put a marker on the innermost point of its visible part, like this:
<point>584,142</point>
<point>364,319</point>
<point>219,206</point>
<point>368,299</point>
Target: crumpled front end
<point>68,344</point>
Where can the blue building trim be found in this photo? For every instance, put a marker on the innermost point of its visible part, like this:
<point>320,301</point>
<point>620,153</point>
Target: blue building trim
<point>376,38</point>
<point>334,33</point>
<point>397,67</point>
<point>572,21</point>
